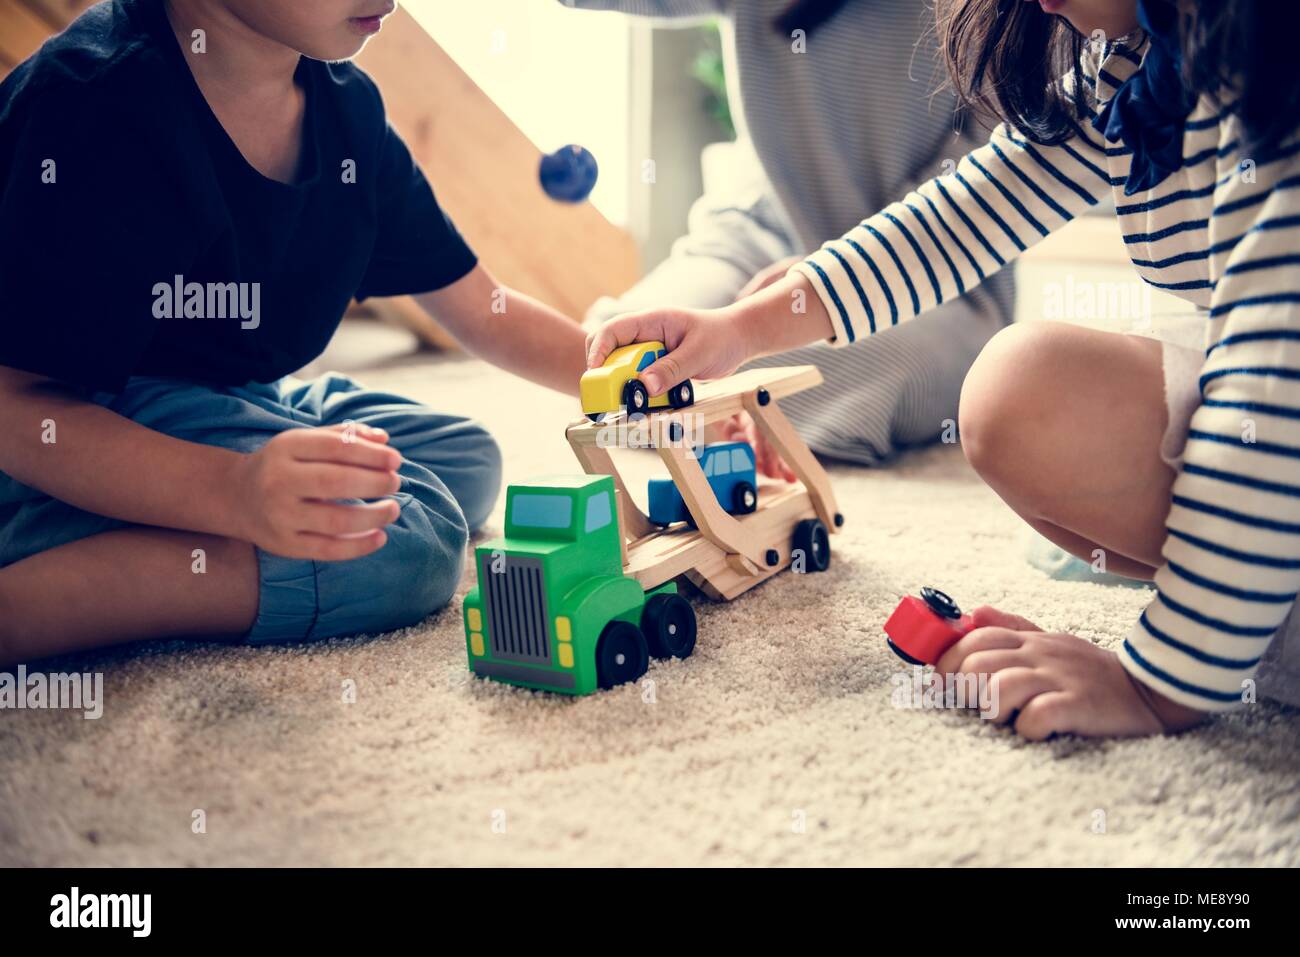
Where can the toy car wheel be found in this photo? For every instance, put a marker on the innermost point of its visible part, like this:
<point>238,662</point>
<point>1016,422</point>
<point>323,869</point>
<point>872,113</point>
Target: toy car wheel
<point>744,499</point>
<point>635,398</point>
<point>596,416</point>
<point>812,539</point>
<point>669,625</point>
<point>681,395</point>
<point>621,654</point>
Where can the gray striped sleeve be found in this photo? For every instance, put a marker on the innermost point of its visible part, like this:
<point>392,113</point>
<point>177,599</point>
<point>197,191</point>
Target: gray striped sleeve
<point>654,8</point>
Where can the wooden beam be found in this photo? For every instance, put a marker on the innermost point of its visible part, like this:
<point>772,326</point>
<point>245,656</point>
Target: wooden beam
<point>715,524</point>
<point>680,550</point>
<point>485,173</point>
<point>21,31</point>
<point>405,312</point>
<point>771,421</point>
<point>59,13</point>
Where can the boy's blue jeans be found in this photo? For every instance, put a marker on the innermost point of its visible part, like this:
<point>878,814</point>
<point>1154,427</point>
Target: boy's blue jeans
<point>451,475</point>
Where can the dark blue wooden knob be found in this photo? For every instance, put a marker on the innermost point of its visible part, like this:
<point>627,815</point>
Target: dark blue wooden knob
<point>569,174</point>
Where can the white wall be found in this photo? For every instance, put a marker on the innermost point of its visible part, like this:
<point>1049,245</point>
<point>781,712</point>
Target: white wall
<point>562,76</point>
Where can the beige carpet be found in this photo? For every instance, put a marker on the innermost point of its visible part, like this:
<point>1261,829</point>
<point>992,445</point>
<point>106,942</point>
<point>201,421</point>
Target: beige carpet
<point>777,743</point>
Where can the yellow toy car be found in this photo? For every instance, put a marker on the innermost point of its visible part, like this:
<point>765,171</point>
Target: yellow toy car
<point>617,383</point>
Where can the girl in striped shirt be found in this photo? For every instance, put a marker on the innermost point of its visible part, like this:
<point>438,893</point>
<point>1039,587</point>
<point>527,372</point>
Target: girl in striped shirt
<point>1185,112</point>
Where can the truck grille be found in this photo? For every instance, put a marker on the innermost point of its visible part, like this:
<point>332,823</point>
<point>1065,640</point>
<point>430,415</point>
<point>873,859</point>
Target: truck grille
<point>515,599</point>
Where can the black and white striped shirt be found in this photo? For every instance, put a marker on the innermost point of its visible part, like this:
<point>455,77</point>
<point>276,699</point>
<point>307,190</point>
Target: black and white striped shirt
<point>1222,233</point>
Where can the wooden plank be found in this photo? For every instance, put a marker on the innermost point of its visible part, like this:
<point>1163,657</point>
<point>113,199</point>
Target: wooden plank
<point>485,173</point>
<point>714,523</point>
<point>776,529</point>
<point>405,312</point>
<point>778,431</point>
<point>59,13</point>
<point>21,31</point>
<point>667,554</point>
<point>681,550</point>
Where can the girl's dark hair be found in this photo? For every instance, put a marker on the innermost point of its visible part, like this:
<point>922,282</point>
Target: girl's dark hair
<point>806,15</point>
<point>1243,53</point>
<point>1007,60</point>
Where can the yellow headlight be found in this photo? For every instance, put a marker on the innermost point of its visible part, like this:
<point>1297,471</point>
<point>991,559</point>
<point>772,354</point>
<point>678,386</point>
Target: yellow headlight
<point>563,631</point>
<point>475,619</point>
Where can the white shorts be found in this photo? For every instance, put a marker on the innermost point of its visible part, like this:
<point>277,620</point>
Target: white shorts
<point>1182,369</point>
<point>1279,671</point>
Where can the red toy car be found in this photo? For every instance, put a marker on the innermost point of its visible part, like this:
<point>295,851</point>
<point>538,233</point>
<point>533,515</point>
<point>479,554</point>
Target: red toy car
<point>921,629</point>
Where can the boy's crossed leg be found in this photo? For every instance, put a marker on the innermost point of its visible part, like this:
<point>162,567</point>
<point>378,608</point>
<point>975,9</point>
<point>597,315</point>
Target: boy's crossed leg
<point>98,582</point>
<point>459,451</point>
<point>128,584</point>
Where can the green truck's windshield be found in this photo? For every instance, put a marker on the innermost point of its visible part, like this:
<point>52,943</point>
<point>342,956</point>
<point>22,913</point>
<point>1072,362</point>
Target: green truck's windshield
<point>541,511</point>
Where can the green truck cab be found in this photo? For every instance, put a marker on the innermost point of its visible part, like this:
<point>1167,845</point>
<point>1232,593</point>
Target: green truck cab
<point>552,608</point>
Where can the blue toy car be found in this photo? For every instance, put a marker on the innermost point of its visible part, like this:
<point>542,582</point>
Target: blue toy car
<point>729,467</point>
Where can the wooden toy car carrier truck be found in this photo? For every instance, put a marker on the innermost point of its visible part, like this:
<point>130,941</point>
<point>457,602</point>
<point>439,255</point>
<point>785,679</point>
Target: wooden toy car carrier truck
<point>581,590</point>
<point>724,555</point>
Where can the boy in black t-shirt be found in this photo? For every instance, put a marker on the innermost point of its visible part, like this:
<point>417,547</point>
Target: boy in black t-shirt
<point>191,191</point>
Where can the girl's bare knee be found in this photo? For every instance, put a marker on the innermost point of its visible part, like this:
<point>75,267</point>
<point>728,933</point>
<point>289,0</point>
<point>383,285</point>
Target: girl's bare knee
<point>1005,399</point>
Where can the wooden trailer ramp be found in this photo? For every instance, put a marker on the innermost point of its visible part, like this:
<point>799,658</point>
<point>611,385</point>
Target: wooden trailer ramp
<point>725,555</point>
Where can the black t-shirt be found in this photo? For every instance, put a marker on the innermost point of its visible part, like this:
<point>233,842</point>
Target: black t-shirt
<point>130,223</point>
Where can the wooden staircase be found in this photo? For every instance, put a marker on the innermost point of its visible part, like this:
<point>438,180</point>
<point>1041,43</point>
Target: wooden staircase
<point>25,25</point>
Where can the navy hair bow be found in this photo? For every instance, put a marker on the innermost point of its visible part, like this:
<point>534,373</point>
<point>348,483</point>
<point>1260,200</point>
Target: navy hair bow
<point>1149,111</point>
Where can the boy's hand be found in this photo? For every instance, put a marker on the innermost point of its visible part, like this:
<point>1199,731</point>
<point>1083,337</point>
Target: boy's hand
<point>701,343</point>
<point>285,492</point>
<point>1059,684</point>
<point>741,428</point>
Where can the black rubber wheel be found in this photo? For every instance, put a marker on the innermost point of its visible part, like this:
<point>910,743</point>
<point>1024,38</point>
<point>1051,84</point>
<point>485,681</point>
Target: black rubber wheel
<point>940,603</point>
<point>681,395</point>
<point>669,626</point>
<point>621,654</point>
<point>811,538</point>
<point>595,416</point>
<point>744,499</point>
<point>635,398</point>
<point>901,653</point>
